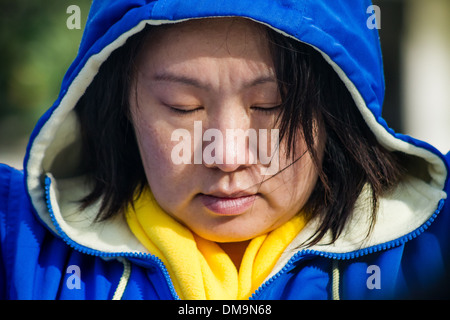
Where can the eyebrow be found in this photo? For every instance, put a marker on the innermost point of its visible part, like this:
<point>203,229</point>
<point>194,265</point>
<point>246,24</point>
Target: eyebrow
<point>193,82</point>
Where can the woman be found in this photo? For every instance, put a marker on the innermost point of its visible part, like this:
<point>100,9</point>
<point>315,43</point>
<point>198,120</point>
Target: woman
<point>240,155</point>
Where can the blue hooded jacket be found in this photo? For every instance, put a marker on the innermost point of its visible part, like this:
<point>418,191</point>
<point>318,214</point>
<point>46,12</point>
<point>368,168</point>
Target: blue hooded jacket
<point>51,250</point>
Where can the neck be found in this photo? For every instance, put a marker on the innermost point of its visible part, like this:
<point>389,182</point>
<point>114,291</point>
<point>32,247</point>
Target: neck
<point>235,250</point>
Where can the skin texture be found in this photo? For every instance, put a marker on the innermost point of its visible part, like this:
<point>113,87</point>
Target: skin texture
<point>219,72</point>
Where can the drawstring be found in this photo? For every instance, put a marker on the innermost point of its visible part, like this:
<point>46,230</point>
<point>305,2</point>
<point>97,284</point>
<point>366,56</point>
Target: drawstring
<point>123,280</point>
<point>335,280</point>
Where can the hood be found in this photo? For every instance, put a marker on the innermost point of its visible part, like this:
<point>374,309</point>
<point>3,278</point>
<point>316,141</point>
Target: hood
<point>337,29</point>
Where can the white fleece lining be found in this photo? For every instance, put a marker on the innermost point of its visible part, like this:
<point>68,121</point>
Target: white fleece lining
<point>114,235</point>
<point>402,211</point>
<point>111,236</point>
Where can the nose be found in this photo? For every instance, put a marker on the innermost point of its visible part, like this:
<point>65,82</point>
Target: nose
<point>233,143</point>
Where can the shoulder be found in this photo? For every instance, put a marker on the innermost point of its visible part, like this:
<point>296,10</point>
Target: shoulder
<point>11,187</point>
<point>18,223</point>
<point>6,174</point>
<point>21,235</point>
<point>447,184</point>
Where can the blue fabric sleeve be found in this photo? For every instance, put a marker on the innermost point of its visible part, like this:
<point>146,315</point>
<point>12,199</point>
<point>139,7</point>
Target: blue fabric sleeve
<point>21,235</point>
<point>5,178</point>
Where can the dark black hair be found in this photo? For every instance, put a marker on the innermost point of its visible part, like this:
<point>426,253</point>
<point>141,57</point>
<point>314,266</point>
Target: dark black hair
<point>311,93</point>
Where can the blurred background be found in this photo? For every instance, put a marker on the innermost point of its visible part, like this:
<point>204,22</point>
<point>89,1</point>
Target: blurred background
<point>37,48</point>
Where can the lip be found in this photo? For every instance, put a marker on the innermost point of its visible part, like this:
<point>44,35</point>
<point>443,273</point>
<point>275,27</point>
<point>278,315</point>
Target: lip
<point>229,206</point>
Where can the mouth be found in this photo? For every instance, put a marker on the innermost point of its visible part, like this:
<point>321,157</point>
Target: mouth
<point>228,205</point>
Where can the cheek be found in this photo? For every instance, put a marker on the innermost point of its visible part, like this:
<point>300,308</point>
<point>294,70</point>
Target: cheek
<point>293,186</point>
<point>155,147</point>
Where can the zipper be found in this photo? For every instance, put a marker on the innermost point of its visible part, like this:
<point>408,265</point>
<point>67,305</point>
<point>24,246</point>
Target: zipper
<point>294,259</point>
<point>348,255</point>
<point>97,253</point>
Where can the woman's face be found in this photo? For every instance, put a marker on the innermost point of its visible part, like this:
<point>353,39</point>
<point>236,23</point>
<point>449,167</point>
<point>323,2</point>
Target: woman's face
<point>196,83</point>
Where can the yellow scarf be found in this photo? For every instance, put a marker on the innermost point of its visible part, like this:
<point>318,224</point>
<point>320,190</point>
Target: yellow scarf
<point>199,268</point>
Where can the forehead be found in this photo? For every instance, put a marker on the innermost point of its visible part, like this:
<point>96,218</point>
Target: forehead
<point>232,38</point>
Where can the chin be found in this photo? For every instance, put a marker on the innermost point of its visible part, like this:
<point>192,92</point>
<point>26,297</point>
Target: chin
<point>229,234</point>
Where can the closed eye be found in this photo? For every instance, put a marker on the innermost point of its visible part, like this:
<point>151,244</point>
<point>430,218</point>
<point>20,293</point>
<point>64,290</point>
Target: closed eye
<point>266,109</point>
<point>184,110</point>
